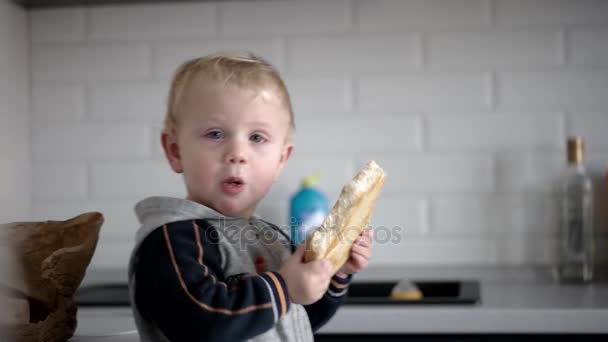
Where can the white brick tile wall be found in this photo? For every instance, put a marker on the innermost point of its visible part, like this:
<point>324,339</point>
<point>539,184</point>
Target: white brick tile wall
<point>456,132</point>
<point>120,222</point>
<point>592,126</point>
<point>550,12</point>
<point>485,215</point>
<point>15,118</point>
<point>525,249</point>
<point>420,14</point>
<point>74,142</point>
<point>111,254</point>
<point>155,142</point>
<point>528,171</point>
<point>312,96</point>
<point>58,103</point>
<point>404,215</point>
<point>376,133</point>
<point>432,173</point>
<point>60,181</point>
<point>273,18</point>
<point>334,171</point>
<point>153,22</point>
<point>466,104</point>
<point>143,102</point>
<point>589,47</point>
<point>494,49</point>
<point>90,62</point>
<point>134,180</point>
<point>168,56</point>
<point>409,251</point>
<point>58,25</point>
<point>342,54</point>
<point>572,90</point>
<point>457,91</point>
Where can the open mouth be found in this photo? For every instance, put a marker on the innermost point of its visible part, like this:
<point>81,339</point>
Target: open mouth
<point>233,181</point>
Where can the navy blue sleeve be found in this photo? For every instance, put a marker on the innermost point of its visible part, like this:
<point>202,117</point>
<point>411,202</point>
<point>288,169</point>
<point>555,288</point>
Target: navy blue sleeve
<point>321,311</point>
<point>180,287</point>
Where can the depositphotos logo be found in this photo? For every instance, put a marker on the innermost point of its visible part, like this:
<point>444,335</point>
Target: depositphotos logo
<point>248,235</point>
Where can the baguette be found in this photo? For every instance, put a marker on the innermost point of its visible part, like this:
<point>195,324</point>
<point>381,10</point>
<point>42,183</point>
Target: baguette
<point>347,219</point>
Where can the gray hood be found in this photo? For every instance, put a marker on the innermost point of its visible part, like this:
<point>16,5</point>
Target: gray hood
<point>154,212</point>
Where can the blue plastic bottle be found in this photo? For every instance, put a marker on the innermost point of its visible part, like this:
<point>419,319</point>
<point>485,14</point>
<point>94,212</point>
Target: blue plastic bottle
<point>308,209</point>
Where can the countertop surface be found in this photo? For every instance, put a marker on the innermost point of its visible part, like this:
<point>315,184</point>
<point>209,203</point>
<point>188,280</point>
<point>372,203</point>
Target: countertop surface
<point>513,300</point>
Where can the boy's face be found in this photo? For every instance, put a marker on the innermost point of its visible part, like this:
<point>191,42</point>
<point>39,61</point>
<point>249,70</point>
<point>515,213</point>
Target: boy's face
<point>231,145</point>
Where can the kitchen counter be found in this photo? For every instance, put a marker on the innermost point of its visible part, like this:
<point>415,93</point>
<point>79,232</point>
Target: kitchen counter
<point>513,300</point>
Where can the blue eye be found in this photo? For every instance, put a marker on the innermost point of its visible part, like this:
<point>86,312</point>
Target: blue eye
<point>215,135</point>
<point>257,138</point>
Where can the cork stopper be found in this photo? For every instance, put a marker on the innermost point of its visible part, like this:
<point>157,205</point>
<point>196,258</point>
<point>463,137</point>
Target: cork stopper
<point>575,149</point>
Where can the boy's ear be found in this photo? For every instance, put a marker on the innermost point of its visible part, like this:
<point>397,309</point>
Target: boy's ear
<point>285,154</point>
<point>172,153</point>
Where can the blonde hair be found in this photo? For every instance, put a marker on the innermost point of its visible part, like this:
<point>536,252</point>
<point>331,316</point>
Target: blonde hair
<point>242,69</point>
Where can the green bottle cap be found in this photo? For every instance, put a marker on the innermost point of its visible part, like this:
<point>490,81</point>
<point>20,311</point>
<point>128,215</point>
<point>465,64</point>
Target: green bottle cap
<point>311,180</point>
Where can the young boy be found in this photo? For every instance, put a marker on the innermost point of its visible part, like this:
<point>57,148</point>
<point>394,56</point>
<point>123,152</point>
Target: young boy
<point>205,268</point>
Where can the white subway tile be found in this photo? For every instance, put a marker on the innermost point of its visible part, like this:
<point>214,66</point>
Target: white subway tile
<point>57,25</point>
<point>334,171</point>
<point>155,141</point>
<point>58,103</point>
<point>120,222</point>
<point>528,171</point>
<point>484,215</point>
<point>112,255</point>
<point>88,142</point>
<point>169,56</point>
<point>597,167</point>
<point>525,249</point>
<point>388,133</point>
<point>458,215</point>
<point>494,132</point>
<point>152,21</point>
<point>61,181</point>
<point>319,96</point>
<point>399,214</point>
<point>550,12</point>
<point>436,173</point>
<point>493,49</point>
<point>574,90</point>
<point>128,102</point>
<point>593,127</point>
<point>589,47</point>
<point>135,180</point>
<point>352,54</point>
<point>268,17</point>
<point>415,14</point>
<point>454,91</point>
<point>60,210</point>
<point>90,62</point>
<point>409,251</point>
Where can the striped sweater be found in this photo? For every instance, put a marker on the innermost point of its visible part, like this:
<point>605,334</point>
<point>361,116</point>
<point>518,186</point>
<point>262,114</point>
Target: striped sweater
<point>196,275</point>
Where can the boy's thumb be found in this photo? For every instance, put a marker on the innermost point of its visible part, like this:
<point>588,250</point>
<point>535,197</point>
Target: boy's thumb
<point>299,252</point>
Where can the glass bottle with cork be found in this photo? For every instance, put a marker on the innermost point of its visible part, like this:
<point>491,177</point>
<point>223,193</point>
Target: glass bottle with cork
<point>575,236</point>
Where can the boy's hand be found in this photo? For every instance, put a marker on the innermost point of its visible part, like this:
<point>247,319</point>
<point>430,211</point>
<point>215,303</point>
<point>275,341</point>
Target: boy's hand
<point>306,282</point>
<point>360,254</point>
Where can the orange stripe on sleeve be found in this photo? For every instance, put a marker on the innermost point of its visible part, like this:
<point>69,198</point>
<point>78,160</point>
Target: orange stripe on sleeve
<point>280,290</point>
<point>194,299</point>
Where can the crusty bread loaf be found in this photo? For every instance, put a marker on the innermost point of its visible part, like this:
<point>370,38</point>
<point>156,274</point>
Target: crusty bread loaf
<point>347,219</point>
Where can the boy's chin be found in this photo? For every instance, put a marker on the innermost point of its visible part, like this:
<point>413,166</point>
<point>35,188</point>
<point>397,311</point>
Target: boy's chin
<point>234,210</point>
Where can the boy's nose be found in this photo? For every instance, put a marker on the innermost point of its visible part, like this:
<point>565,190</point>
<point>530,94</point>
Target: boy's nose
<point>235,158</point>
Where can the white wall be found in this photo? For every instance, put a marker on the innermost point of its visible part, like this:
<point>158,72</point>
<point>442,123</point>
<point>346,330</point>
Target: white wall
<point>14,114</point>
<point>465,103</point>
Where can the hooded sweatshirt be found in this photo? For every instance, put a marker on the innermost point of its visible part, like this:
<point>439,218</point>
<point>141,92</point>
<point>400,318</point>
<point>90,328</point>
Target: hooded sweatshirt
<point>197,275</point>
